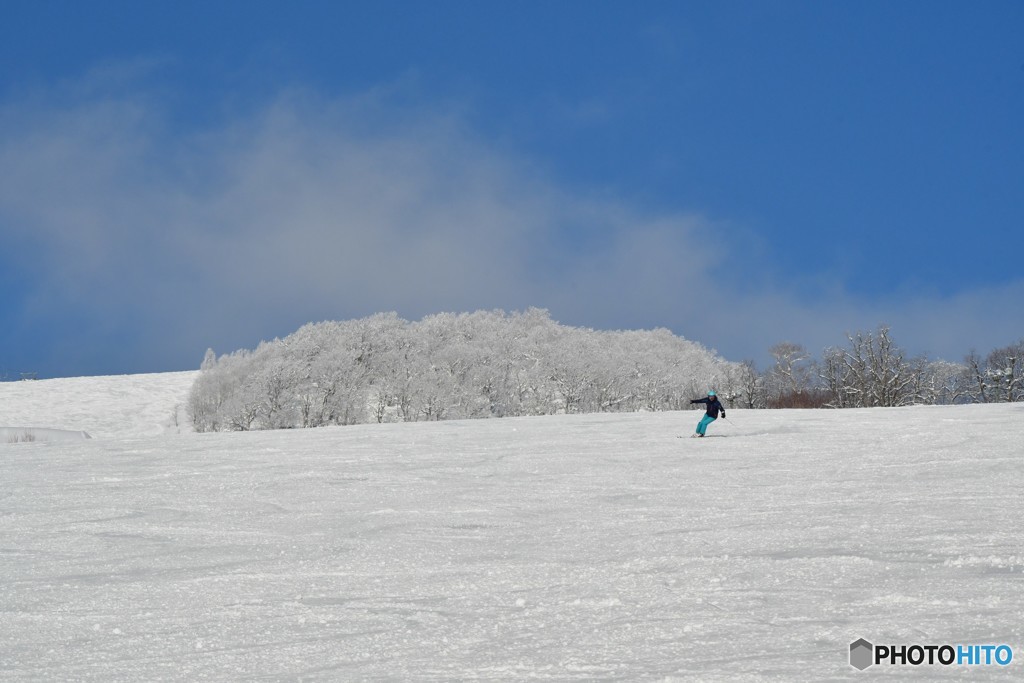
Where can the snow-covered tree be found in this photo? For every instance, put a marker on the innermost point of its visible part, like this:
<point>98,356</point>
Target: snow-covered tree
<point>792,380</point>
<point>750,386</point>
<point>943,383</point>
<point>873,371</point>
<point>1005,373</point>
<point>888,377</point>
<point>791,373</point>
<point>222,397</point>
<point>483,364</point>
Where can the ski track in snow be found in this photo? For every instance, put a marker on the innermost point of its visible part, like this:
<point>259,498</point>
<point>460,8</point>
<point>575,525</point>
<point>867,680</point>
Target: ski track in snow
<point>589,547</point>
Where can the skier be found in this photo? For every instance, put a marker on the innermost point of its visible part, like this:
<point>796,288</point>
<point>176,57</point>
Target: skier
<point>714,406</point>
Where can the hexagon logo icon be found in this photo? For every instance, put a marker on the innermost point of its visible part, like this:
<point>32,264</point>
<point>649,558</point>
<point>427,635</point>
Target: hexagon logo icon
<point>861,654</point>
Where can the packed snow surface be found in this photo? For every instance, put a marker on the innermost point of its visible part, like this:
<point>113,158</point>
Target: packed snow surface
<point>587,547</point>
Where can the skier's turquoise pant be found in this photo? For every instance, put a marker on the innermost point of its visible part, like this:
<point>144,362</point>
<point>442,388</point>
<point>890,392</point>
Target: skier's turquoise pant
<point>703,426</point>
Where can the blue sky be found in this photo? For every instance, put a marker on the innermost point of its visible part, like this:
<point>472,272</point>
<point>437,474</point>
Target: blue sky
<point>178,176</point>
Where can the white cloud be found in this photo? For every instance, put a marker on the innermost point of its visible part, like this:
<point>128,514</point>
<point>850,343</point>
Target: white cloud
<point>309,208</point>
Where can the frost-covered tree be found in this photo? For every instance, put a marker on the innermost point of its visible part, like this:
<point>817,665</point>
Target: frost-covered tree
<point>1005,373</point>
<point>943,383</point>
<point>750,386</point>
<point>999,376</point>
<point>790,372</point>
<point>571,369</point>
<point>872,371</point>
<point>222,397</point>
<point>882,376</point>
<point>483,364</point>
<point>833,371</point>
<point>976,377</point>
<point>332,384</point>
<point>791,382</point>
<point>276,386</point>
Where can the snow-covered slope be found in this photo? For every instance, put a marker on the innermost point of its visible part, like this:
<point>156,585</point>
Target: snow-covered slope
<point>594,547</point>
<point>118,405</point>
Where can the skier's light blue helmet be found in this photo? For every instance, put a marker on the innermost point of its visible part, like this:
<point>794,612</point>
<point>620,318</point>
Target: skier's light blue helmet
<point>711,393</point>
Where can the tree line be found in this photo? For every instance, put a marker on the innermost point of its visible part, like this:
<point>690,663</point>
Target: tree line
<point>449,366</point>
<point>495,364</point>
<point>872,370</point>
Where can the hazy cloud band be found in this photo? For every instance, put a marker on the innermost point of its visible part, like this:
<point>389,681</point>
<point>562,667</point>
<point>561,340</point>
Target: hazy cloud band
<point>308,208</point>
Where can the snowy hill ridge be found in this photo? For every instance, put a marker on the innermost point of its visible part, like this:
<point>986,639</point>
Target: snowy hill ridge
<point>109,406</point>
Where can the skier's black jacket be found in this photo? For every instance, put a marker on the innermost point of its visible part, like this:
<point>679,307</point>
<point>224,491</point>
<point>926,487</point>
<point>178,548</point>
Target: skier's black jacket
<point>713,405</point>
